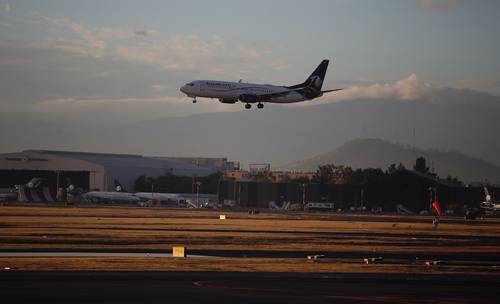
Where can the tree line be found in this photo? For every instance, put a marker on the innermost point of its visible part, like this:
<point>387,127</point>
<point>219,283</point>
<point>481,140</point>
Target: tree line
<point>178,184</point>
<point>325,174</point>
<point>339,174</point>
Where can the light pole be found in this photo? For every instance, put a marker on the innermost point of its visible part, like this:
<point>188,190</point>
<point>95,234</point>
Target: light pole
<point>198,184</point>
<point>362,196</point>
<point>152,191</point>
<point>219,192</point>
<point>57,180</point>
<point>432,196</point>
<point>193,183</point>
<point>303,195</point>
<point>239,194</point>
<point>58,194</point>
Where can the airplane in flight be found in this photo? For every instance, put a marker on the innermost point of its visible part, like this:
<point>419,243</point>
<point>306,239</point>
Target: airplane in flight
<point>249,93</point>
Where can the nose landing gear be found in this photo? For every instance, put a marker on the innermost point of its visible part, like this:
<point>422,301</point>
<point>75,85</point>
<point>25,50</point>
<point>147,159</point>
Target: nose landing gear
<point>194,100</point>
<point>248,106</point>
<point>260,105</point>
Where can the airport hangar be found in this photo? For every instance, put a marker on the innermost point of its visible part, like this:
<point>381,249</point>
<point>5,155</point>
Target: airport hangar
<point>90,171</point>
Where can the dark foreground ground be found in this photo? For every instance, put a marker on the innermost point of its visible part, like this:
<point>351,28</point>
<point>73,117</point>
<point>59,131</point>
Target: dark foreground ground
<point>228,287</point>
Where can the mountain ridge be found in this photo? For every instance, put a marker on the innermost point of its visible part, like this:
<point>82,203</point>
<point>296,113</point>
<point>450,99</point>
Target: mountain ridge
<point>376,153</point>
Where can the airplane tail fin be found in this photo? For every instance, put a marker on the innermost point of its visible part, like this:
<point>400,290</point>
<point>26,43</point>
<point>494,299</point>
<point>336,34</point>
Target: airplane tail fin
<point>119,187</point>
<point>318,76</point>
<point>487,195</point>
<point>315,80</point>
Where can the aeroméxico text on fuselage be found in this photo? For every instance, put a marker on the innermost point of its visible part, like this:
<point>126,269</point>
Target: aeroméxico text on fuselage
<point>248,93</point>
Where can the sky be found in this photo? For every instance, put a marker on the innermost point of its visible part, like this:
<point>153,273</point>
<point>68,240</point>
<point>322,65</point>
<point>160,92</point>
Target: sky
<point>108,62</point>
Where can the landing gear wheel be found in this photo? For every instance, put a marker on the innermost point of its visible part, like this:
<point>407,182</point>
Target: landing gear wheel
<point>260,105</point>
<point>248,106</point>
<point>194,100</point>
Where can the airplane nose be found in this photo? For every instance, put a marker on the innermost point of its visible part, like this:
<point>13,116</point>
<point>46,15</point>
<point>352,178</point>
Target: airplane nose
<point>183,89</point>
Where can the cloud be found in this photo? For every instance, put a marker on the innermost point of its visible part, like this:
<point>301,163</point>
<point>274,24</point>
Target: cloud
<point>68,59</point>
<point>179,51</point>
<point>54,74</point>
<point>112,111</point>
<point>443,5</point>
<point>406,89</point>
<point>92,41</point>
<point>7,8</point>
<point>12,62</point>
<point>10,25</point>
<point>145,33</point>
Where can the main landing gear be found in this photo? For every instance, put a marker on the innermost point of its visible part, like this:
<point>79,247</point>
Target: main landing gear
<point>259,106</point>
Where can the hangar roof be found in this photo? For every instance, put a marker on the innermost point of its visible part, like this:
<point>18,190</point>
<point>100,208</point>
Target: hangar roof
<point>131,161</point>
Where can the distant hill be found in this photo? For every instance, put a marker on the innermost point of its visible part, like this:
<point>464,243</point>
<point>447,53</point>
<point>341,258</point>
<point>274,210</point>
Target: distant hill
<point>446,119</point>
<point>376,153</point>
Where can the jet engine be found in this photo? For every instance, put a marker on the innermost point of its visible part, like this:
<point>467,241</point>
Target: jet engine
<point>231,101</point>
<point>249,98</point>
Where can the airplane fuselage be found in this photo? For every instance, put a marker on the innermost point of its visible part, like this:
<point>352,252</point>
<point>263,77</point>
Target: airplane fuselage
<point>491,207</point>
<point>231,92</point>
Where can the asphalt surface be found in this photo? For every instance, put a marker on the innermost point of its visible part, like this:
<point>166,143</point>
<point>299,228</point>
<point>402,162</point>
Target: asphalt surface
<point>91,254</point>
<point>314,215</point>
<point>486,257</point>
<point>227,287</point>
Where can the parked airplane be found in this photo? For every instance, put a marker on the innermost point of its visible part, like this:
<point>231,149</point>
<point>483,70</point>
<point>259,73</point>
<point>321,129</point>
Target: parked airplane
<point>248,93</point>
<point>179,199</point>
<point>490,206</point>
<point>107,197</point>
<point>120,195</point>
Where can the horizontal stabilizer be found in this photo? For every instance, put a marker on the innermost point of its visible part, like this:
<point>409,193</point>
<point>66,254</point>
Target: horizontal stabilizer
<point>328,91</point>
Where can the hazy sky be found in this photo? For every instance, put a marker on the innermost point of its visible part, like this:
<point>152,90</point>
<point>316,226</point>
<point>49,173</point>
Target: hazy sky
<point>118,61</point>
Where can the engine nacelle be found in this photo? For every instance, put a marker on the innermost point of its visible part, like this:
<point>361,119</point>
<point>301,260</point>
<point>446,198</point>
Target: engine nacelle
<point>249,98</point>
<point>231,101</point>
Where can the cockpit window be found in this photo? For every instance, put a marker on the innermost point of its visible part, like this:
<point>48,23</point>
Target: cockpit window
<point>190,84</point>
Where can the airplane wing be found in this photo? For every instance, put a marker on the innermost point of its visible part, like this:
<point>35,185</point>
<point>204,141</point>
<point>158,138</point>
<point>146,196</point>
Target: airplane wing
<point>262,97</point>
<point>267,96</point>
<point>273,95</point>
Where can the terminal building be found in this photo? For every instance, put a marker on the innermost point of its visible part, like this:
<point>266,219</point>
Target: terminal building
<point>89,171</point>
<point>220,164</point>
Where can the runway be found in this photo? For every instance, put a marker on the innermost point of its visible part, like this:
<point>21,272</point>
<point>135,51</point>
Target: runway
<point>101,259</point>
<point>489,259</point>
<point>92,254</point>
<point>227,287</point>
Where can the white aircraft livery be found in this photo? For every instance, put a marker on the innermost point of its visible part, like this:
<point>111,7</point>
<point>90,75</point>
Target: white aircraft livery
<point>490,206</point>
<point>249,93</point>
